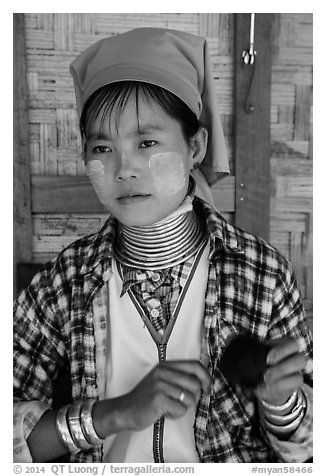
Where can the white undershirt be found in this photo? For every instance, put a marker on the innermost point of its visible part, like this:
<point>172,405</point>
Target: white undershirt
<point>132,353</point>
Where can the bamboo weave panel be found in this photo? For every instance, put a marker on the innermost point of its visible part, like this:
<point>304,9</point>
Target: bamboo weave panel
<point>291,145</point>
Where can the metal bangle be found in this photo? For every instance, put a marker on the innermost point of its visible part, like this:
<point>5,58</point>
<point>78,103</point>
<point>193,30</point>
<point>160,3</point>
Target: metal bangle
<point>281,408</point>
<point>63,430</point>
<point>73,417</point>
<point>303,399</point>
<point>87,425</point>
<point>281,430</point>
<point>284,419</point>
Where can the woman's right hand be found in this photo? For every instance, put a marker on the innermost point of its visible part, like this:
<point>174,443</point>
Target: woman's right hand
<point>168,390</point>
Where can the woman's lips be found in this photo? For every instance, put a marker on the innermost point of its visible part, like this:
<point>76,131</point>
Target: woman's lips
<point>131,199</point>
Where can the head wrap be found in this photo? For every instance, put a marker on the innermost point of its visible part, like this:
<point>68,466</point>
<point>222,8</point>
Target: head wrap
<point>174,60</point>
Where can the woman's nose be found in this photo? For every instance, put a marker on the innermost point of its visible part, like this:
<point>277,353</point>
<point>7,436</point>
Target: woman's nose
<point>126,167</point>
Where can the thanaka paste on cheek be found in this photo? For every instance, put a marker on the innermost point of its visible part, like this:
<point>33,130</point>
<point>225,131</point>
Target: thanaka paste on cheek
<point>95,172</point>
<point>168,172</point>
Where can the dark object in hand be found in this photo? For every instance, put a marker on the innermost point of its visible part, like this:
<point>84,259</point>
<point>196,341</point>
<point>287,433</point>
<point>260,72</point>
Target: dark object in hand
<point>243,361</point>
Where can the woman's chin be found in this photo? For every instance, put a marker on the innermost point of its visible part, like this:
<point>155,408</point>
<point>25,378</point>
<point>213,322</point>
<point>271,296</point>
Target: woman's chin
<point>141,212</point>
<point>141,219</point>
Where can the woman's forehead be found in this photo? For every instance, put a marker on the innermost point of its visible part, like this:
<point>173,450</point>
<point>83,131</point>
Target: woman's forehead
<point>138,116</point>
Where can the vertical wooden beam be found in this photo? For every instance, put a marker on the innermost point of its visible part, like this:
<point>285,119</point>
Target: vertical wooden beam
<point>252,125</point>
<point>22,204</point>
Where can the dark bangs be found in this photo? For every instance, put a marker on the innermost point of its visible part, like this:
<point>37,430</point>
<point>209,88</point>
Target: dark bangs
<point>116,95</point>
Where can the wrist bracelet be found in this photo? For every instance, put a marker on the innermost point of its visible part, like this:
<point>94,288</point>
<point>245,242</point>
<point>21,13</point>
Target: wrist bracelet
<point>87,425</point>
<point>281,408</point>
<point>74,424</point>
<point>284,419</point>
<point>63,430</point>
<point>303,399</point>
<point>281,430</point>
<point>298,413</point>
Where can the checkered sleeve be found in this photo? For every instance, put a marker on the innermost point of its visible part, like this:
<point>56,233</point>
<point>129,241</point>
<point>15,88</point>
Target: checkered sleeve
<point>26,415</point>
<point>288,320</point>
<point>38,353</point>
<point>288,315</point>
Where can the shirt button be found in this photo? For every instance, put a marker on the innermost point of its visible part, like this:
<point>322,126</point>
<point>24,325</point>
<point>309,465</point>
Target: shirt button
<point>106,276</point>
<point>154,313</point>
<point>156,277</point>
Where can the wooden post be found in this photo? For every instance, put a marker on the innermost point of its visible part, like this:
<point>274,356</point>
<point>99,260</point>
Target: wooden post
<point>22,206</point>
<point>252,125</point>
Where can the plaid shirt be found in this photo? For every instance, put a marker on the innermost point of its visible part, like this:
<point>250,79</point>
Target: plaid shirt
<point>60,322</point>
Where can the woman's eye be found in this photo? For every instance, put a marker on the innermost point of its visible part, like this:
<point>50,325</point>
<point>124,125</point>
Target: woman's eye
<point>147,143</point>
<point>101,149</point>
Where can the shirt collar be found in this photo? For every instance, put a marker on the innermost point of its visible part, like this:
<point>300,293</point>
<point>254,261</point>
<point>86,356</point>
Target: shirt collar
<point>99,248</point>
<point>221,234</point>
<point>132,276</point>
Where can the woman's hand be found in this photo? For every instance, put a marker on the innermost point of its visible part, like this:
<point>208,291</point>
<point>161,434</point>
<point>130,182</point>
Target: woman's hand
<point>167,391</point>
<point>284,372</point>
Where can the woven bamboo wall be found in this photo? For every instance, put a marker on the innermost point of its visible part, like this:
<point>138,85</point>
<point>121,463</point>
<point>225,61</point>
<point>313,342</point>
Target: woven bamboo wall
<point>291,145</point>
<point>53,41</point>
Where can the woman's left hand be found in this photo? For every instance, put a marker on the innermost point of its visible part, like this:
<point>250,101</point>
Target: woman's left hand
<point>283,374</point>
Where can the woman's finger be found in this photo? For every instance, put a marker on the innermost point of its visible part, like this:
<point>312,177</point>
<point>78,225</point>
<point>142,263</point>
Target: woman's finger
<point>279,392</point>
<point>192,368</point>
<point>282,349</point>
<point>181,394</point>
<point>294,363</point>
<point>180,380</point>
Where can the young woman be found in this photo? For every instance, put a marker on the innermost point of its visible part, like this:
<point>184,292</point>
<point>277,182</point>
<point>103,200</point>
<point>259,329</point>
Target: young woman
<point>137,315</point>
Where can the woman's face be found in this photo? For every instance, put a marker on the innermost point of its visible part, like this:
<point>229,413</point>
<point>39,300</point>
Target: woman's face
<point>139,166</point>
